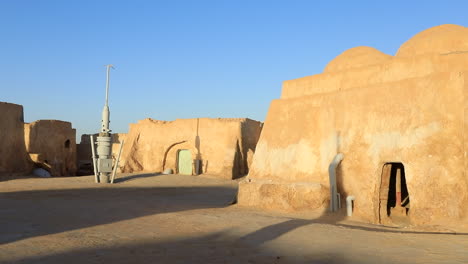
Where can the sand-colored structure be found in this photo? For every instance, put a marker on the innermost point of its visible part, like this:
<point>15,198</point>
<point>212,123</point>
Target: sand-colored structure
<point>47,144</point>
<point>398,120</point>
<point>221,147</point>
<point>51,145</point>
<point>13,156</point>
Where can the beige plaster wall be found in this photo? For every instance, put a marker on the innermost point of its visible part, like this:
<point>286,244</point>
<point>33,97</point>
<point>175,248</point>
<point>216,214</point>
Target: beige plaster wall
<point>223,145</point>
<point>13,156</point>
<point>51,144</point>
<point>405,109</point>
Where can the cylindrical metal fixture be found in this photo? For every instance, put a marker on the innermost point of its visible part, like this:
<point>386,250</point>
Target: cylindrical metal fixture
<point>103,160</point>
<point>104,146</point>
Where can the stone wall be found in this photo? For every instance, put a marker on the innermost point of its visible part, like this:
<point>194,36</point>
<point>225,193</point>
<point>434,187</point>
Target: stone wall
<point>223,146</point>
<point>13,157</point>
<point>51,144</point>
<point>375,109</point>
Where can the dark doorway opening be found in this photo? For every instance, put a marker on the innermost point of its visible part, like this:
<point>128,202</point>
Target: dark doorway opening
<point>67,143</point>
<point>394,196</point>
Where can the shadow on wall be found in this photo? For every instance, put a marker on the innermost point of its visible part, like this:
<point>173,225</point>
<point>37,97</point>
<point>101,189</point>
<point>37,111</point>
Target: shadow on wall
<point>198,166</point>
<point>245,149</point>
<point>239,167</point>
<point>167,151</point>
<point>198,162</point>
<point>340,180</point>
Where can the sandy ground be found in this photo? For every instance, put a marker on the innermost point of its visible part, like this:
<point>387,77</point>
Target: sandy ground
<point>149,218</point>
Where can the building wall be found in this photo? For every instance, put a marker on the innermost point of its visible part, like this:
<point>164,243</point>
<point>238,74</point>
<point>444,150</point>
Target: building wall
<point>13,157</point>
<point>408,109</point>
<point>51,145</point>
<point>222,145</point>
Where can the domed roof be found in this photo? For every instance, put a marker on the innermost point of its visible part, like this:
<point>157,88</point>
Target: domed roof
<point>437,40</point>
<point>356,57</point>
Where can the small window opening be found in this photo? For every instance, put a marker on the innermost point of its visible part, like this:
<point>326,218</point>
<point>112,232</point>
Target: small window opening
<point>67,143</point>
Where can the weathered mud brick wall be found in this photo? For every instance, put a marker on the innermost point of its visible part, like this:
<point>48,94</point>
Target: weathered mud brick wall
<point>13,156</point>
<point>51,144</point>
<point>406,111</point>
<point>222,147</point>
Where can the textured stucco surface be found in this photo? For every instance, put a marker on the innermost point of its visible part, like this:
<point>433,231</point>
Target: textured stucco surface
<point>47,144</point>
<point>224,146</point>
<point>51,144</point>
<point>408,108</point>
<point>13,157</point>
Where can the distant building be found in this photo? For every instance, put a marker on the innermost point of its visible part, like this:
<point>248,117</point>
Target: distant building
<point>46,144</point>
<point>222,147</point>
<point>51,145</point>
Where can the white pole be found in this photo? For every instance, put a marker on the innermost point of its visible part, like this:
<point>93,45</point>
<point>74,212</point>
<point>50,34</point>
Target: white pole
<point>107,82</point>
<point>117,162</point>
<point>94,159</point>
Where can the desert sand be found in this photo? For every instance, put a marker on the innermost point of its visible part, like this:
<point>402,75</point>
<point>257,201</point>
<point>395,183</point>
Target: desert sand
<point>152,218</point>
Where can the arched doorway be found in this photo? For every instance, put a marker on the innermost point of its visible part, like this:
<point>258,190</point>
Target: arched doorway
<point>394,200</point>
<point>184,162</point>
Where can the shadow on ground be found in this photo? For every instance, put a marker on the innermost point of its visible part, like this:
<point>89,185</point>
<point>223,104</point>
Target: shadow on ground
<point>219,247</point>
<point>213,248</point>
<point>28,214</point>
<point>35,213</point>
<point>120,179</point>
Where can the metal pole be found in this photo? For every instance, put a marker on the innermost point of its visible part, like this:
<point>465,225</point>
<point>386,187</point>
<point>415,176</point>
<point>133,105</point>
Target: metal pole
<point>117,162</point>
<point>107,82</point>
<point>94,159</point>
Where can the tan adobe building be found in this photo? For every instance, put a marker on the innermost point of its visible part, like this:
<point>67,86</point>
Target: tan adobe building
<point>222,147</point>
<point>399,122</point>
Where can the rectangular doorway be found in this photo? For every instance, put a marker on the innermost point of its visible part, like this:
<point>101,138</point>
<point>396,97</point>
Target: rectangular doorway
<point>394,200</point>
<point>184,162</point>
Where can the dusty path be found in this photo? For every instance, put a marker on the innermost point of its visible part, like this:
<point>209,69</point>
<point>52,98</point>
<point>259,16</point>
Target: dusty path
<point>151,218</point>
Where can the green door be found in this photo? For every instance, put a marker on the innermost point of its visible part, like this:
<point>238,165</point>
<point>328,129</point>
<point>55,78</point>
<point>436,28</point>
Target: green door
<point>184,162</point>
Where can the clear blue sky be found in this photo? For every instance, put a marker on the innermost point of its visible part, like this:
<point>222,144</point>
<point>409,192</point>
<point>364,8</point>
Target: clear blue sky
<point>186,59</point>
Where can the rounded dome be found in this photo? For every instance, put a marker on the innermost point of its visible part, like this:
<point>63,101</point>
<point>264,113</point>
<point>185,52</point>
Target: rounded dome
<point>356,57</point>
<point>437,40</point>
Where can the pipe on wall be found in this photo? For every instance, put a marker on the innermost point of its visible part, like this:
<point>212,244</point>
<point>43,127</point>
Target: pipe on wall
<point>334,203</point>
